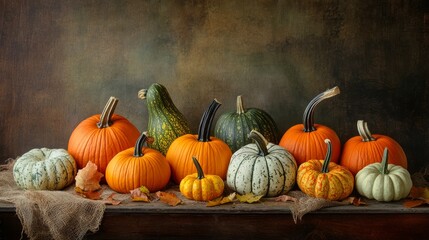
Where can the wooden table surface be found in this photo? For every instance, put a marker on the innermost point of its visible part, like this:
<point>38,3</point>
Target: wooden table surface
<point>267,219</point>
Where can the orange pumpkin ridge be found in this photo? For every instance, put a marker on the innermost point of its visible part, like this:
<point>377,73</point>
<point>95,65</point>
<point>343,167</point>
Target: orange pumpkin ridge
<point>100,137</point>
<point>367,148</point>
<point>214,154</point>
<point>306,141</point>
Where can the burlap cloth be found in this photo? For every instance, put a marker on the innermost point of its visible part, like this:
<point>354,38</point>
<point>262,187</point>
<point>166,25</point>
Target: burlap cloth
<point>51,214</point>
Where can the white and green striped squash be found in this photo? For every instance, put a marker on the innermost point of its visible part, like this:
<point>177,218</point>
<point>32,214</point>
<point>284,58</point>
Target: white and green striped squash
<point>166,122</point>
<point>261,168</point>
<point>44,169</point>
<point>234,127</point>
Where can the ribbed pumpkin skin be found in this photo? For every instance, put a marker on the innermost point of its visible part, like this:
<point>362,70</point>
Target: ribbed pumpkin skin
<point>44,169</point>
<point>372,184</point>
<point>99,145</point>
<point>126,172</point>
<point>214,156</point>
<point>337,184</point>
<point>166,122</point>
<point>269,175</point>
<point>233,128</point>
<point>310,145</point>
<point>357,154</point>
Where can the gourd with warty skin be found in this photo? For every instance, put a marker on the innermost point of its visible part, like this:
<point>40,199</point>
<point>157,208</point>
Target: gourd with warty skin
<point>384,182</point>
<point>44,169</point>
<point>166,122</point>
<point>261,168</point>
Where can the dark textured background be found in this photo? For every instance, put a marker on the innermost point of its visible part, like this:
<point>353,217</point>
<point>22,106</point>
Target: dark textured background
<point>61,60</point>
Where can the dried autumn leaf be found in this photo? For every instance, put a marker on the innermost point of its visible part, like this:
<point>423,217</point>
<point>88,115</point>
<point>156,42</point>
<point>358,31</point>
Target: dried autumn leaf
<point>93,195</point>
<point>111,201</point>
<point>419,193</point>
<point>355,201</point>
<point>88,178</point>
<point>221,200</point>
<point>285,198</point>
<point>415,203</point>
<point>249,198</point>
<point>169,198</point>
<point>140,194</point>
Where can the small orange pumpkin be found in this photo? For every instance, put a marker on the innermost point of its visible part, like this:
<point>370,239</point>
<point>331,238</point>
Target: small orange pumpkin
<point>100,137</point>
<point>305,141</point>
<point>214,154</point>
<point>325,179</point>
<point>136,167</point>
<point>367,148</point>
<point>200,187</point>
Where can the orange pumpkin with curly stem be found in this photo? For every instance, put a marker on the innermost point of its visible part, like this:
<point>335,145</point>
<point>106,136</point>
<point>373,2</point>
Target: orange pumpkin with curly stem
<point>305,141</point>
<point>214,154</point>
<point>367,148</point>
<point>325,179</point>
<point>136,167</point>
<point>100,137</point>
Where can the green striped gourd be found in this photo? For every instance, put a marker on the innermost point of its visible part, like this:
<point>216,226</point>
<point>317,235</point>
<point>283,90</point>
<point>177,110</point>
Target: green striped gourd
<point>166,122</point>
<point>44,169</point>
<point>234,127</point>
<point>261,168</point>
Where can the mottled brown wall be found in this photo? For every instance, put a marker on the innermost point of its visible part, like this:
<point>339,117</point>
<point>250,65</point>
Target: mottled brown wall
<point>61,60</point>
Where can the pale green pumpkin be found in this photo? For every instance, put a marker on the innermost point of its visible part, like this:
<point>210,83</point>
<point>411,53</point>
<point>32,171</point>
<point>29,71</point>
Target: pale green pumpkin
<point>44,169</point>
<point>384,182</point>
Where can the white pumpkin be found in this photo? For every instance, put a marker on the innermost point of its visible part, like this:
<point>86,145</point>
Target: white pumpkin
<point>261,168</point>
<point>44,169</point>
<point>384,182</point>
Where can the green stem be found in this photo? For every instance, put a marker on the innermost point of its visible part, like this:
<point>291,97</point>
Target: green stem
<point>260,141</point>
<point>240,108</point>
<point>308,118</point>
<point>364,132</point>
<point>325,166</point>
<point>107,113</point>
<point>207,120</point>
<point>138,148</point>
<point>384,162</point>
<point>198,167</point>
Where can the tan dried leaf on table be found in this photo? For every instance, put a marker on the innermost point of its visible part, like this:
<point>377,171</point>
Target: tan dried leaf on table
<point>140,194</point>
<point>111,201</point>
<point>221,200</point>
<point>169,198</point>
<point>88,182</point>
<point>249,198</point>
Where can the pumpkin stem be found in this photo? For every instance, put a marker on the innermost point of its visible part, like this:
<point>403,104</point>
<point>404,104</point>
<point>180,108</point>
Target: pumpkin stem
<point>207,120</point>
<point>240,108</point>
<point>325,166</point>
<point>384,162</point>
<point>364,132</point>
<point>200,171</point>
<point>107,113</point>
<point>308,118</point>
<point>260,141</point>
<point>138,148</point>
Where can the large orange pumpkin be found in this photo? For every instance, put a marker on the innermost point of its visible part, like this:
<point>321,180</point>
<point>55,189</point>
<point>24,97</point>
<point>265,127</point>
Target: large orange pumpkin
<point>100,137</point>
<point>360,151</point>
<point>138,166</point>
<point>214,154</point>
<point>306,141</point>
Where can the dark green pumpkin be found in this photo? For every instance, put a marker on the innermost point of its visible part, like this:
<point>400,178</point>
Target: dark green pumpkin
<point>166,122</point>
<point>234,127</point>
